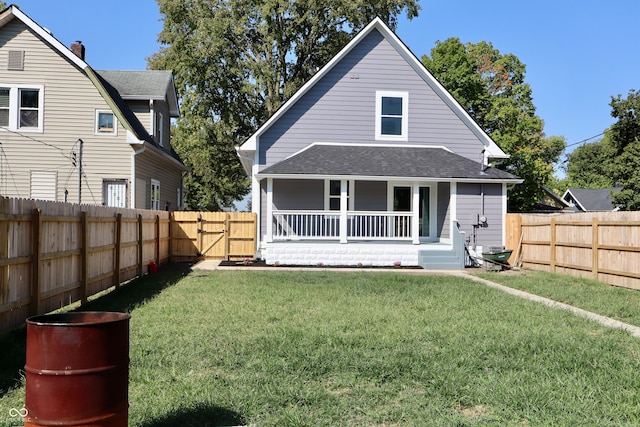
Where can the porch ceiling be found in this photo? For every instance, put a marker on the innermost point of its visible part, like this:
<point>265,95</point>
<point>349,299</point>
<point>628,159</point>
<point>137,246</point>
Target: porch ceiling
<point>384,161</point>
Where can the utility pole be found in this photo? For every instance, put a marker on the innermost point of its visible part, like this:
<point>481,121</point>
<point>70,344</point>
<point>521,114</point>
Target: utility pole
<point>80,172</point>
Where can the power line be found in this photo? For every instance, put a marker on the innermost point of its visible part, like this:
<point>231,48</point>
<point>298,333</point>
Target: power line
<point>38,141</point>
<point>4,155</point>
<point>585,140</point>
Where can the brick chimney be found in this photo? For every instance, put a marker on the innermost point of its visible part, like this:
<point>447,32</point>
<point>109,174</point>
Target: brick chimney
<point>78,49</point>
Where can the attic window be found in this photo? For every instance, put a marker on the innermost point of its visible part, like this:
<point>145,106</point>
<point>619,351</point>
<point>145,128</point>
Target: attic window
<point>106,123</point>
<point>16,60</point>
<point>392,115</point>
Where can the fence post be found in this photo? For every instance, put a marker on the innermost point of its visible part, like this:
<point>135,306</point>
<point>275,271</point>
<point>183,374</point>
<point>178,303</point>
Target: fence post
<point>4,252</point>
<point>158,239</point>
<point>226,225</point>
<point>594,247</point>
<point>140,242</point>
<point>118,244</point>
<point>200,233</point>
<point>84,257</point>
<point>36,227</point>
<point>552,246</point>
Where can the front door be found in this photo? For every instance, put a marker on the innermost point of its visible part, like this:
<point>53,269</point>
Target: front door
<point>402,202</point>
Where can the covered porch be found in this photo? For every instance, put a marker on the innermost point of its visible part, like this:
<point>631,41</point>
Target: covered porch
<point>374,205</point>
<point>404,221</point>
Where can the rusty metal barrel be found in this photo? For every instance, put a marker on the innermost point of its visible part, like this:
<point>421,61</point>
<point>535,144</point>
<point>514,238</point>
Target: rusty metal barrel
<point>77,369</point>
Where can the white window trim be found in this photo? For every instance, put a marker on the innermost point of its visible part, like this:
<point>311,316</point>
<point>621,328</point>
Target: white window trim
<point>14,107</point>
<point>433,208</point>
<point>97,123</point>
<point>404,136</point>
<point>328,196</point>
<point>155,202</point>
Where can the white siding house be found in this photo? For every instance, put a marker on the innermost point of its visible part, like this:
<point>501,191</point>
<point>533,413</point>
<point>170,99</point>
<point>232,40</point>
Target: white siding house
<point>71,133</point>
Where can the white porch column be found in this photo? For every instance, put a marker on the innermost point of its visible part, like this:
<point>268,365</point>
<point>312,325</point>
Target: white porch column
<point>343,209</point>
<point>415,210</point>
<point>269,218</point>
<point>453,206</point>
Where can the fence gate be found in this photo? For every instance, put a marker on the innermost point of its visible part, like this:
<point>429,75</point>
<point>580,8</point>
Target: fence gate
<point>214,235</point>
<point>212,242</point>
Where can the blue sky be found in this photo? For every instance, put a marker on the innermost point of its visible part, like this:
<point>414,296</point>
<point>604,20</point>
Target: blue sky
<point>578,53</point>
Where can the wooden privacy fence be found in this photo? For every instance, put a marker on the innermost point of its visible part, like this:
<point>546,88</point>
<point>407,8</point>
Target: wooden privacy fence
<point>216,235</point>
<point>604,246</point>
<point>53,254</point>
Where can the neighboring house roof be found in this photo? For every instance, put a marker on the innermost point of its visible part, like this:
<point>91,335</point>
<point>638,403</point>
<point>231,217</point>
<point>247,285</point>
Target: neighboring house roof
<point>491,149</point>
<point>110,94</point>
<point>590,199</point>
<point>146,84</point>
<point>398,161</point>
<point>551,202</point>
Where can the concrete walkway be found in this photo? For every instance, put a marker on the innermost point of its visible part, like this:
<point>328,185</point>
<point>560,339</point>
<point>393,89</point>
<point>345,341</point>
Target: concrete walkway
<point>603,320</point>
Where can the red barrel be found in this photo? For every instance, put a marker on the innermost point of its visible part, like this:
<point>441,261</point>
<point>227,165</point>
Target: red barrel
<point>77,370</point>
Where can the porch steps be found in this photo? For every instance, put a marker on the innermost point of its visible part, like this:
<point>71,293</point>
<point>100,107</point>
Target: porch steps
<point>445,259</point>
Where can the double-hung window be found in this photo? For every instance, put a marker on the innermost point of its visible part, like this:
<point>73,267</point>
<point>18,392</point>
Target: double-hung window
<point>392,115</point>
<point>21,107</point>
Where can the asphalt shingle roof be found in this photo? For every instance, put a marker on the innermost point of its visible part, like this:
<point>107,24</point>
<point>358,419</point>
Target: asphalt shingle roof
<point>593,199</point>
<point>383,161</point>
<point>144,84</point>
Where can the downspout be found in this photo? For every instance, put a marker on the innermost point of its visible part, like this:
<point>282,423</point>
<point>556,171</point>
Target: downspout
<point>133,175</point>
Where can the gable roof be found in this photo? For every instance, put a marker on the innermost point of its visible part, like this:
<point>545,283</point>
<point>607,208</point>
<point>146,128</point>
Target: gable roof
<point>110,94</point>
<point>157,85</point>
<point>591,199</point>
<point>492,150</point>
<point>371,161</point>
<point>12,11</point>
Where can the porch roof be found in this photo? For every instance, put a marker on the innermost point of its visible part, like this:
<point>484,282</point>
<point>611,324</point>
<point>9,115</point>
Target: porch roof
<point>384,162</point>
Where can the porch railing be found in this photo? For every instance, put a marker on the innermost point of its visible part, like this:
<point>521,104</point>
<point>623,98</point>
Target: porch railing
<point>325,225</point>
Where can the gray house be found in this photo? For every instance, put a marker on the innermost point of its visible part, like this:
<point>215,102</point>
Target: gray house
<point>373,162</point>
<point>591,199</point>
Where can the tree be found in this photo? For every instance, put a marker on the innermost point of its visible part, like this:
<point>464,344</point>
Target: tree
<point>491,88</point>
<point>236,61</point>
<point>591,165</point>
<point>625,139</point>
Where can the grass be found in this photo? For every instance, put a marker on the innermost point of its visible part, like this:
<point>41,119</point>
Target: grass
<point>324,348</point>
<point>611,301</point>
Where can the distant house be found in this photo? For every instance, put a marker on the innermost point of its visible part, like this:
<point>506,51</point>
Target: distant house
<point>551,203</point>
<point>72,133</point>
<point>373,162</point>
<point>590,199</point>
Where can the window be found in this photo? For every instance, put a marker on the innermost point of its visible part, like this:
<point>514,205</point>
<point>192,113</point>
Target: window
<point>159,129</point>
<point>155,195</point>
<point>21,107</point>
<point>29,108</point>
<point>4,107</point>
<point>333,195</point>
<point>392,115</point>
<point>106,123</point>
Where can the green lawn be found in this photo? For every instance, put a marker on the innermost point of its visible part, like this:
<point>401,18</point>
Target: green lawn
<point>322,348</point>
<point>611,301</point>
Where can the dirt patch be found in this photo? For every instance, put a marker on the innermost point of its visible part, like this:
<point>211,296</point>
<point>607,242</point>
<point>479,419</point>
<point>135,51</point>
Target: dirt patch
<point>474,412</point>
